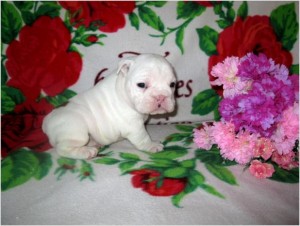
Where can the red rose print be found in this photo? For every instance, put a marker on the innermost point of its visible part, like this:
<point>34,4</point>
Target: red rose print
<point>208,3</point>
<point>254,34</point>
<point>108,15</point>
<point>92,38</point>
<point>40,60</point>
<point>23,127</point>
<point>148,181</point>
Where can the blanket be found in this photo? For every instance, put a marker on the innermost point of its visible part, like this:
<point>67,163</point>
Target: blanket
<point>52,51</point>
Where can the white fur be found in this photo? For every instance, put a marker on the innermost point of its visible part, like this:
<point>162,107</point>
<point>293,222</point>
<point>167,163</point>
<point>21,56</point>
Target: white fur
<point>114,109</point>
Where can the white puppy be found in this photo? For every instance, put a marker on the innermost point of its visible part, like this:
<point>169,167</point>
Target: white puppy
<point>115,108</point>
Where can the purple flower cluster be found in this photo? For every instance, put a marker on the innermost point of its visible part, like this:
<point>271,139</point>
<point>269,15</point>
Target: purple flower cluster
<point>260,115</point>
<point>270,94</point>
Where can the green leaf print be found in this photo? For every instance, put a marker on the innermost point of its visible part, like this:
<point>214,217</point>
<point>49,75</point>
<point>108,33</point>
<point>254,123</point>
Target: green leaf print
<point>24,5</point>
<point>44,165</point>
<point>284,22</point>
<point>210,189</point>
<point>134,20</point>
<point>11,22</point>
<point>62,98</point>
<point>129,156</point>
<point>127,165</point>
<point>196,178</point>
<point>208,39</point>
<point>185,128</point>
<point>179,39</point>
<point>176,172</point>
<point>213,156</point>
<point>156,3</point>
<point>294,69</point>
<point>149,17</point>
<point>222,173</point>
<point>10,97</point>
<point>205,102</point>
<point>243,10</point>
<point>286,176</point>
<point>18,168</point>
<point>189,9</point>
<point>51,9</point>
<point>170,152</point>
<point>107,161</point>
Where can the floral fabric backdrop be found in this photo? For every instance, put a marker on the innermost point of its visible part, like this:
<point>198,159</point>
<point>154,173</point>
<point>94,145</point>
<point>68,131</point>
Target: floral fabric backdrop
<point>227,56</point>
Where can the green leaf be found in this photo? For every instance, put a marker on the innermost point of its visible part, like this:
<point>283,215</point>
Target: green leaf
<point>15,94</point>
<point>65,165</point>
<point>196,178</point>
<point>44,165</point>
<point>134,20</point>
<point>28,17</point>
<point>243,10</point>
<point>62,161</point>
<point>211,190</point>
<point>149,17</point>
<point>164,163</point>
<point>156,3</point>
<point>17,168</point>
<point>50,9</point>
<point>223,23</point>
<point>213,156</point>
<point>286,176</point>
<point>179,39</point>
<point>218,10</point>
<point>230,15</point>
<point>205,102</point>
<point>10,97</point>
<point>24,5</point>
<point>176,172</point>
<point>189,163</point>
<point>73,48</point>
<point>107,161</point>
<point>217,116</point>
<point>284,22</point>
<point>7,104</point>
<point>185,128</point>
<point>127,165</point>
<point>176,199</point>
<point>3,74</point>
<point>222,173</point>
<point>189,188</point>
<point>170,152</point>
<point>208,39</point>
<point>11,22</point>
<point>176,137</point>
<point>129,156</point>
<point>189,9</point>
<point>62,98</point>
<point>294,69</point>
<point>86,171</point>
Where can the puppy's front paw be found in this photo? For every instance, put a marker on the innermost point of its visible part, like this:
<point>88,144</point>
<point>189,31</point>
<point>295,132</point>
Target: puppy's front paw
<point>155,147</point>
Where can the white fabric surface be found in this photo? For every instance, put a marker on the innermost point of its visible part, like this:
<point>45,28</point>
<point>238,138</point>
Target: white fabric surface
<point>111,199</point>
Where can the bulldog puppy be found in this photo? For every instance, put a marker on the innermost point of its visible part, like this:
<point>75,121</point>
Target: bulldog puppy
<point>114,109</point>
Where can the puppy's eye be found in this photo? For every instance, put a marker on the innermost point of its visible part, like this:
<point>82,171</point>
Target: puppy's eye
<point>141,85</point>
<point>172,85</point>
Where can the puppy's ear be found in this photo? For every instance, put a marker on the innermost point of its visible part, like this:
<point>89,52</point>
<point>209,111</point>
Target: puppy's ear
<point>125,65</point>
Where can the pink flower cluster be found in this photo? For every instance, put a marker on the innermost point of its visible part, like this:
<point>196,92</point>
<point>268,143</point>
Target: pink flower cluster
<point>260,115</point>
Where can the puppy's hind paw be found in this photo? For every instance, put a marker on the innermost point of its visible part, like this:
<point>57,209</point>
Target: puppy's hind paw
<point>87,152</point>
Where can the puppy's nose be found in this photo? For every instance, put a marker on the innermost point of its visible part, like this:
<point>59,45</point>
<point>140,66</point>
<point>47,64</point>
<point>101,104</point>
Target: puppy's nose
<point>160,98</point>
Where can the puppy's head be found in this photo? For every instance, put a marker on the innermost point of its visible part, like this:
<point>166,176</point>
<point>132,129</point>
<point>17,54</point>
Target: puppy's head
<point>149,82</point>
